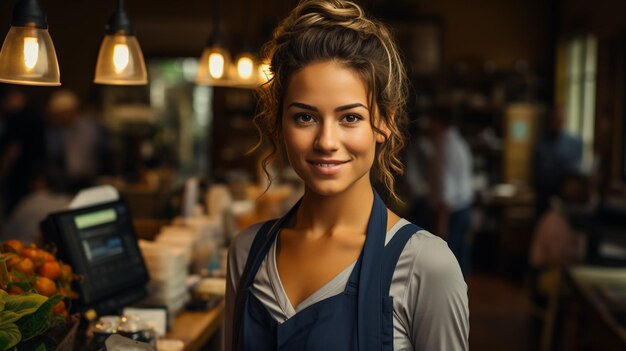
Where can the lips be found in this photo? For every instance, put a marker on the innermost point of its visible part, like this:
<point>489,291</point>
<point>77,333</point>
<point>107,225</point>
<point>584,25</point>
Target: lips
<point>327,167</point>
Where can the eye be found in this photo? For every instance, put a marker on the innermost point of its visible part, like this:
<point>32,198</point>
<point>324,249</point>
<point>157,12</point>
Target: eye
<point>351,118</point>
<point>303,118</point>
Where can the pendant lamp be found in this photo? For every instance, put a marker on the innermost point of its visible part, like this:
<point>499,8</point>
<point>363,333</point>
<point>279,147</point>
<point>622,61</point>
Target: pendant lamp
<point>246,69</point>
<point>214,67</point>
<point>120,61</point>
<point>27,56</point>
<point>214,64</point>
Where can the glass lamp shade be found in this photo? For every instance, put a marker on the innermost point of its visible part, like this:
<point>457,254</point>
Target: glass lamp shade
<point>28,57</point>
<point>213,66</point>
<point>120,61</point>
<point>246,70</point>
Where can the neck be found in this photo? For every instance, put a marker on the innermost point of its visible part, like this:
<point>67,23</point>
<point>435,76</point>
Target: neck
<point>347,212</point>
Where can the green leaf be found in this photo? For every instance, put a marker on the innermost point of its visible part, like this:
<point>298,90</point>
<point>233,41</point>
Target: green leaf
<point>9,336</point>
<point>3,295</point>
<point>24,304</point>
<point>4,272</point>
<point>23,281</point>
<point>36,323</point>
<point>41,347</point>
<point>8,317</point>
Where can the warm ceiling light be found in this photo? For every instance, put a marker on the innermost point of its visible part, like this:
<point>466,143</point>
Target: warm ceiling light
<point>216,65</point>
<point>213,65</point>
<point>121,57</point>
<point>31,52</point>
<point>120,61</point>
<point>27,55</point>
<point>245,67</point>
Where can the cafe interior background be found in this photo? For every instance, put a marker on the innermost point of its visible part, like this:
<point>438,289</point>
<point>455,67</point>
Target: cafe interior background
<point>177,148</point>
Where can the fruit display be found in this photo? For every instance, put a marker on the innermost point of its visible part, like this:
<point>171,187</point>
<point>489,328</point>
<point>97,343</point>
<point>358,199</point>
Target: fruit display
<point>35,292</point>
<point>32,269</point>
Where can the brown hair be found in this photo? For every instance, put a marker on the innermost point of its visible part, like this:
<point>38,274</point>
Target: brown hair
<point>322,30</point>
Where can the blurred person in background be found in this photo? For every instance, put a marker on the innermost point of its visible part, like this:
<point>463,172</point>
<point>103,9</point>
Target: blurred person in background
<point>555,244</point>
<point>557,153</point>
<point>44,198</point>
<point>418,159</point>
<point>21,145</point>
<point>76,145</point>
<point>451,189</point>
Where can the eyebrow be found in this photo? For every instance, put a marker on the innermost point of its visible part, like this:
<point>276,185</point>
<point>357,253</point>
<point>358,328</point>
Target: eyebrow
<point>338,109</point>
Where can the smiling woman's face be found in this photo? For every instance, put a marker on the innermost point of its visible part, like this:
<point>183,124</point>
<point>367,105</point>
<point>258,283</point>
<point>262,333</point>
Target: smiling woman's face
<point>326,128</point>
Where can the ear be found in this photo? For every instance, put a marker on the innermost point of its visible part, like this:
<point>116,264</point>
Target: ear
<point>384,127</point>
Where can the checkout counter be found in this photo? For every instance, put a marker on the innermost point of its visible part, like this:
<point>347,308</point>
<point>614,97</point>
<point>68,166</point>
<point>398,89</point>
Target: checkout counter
<point>119,271</point>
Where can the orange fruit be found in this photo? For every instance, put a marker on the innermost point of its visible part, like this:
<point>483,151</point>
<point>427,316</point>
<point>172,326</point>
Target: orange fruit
<point>15,290</point>
<point>59,307</point>
<point>45,256</point>
<point>13,245</point>
<point>12,259</point>
<point>45,286</point>
<point>66,272</point>
<point>25,266</point>
<point>50,270</point>
<point>13,278</point>
<point>31,253</point>
<point>67,292</point>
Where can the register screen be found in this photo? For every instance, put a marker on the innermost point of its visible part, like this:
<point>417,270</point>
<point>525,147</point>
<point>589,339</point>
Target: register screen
<point>98,235</point>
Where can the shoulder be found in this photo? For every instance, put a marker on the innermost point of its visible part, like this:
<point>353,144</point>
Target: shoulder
<point>430,294</point>
<point>427,270</point>
<point>431,256</point>
<point>240,247</point>
<point>425,256</point>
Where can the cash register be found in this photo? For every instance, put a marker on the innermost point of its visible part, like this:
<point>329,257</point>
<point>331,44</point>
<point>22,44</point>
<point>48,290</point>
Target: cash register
<point>100,243</point>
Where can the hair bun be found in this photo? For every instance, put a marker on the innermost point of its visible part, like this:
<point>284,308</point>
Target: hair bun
<point>328,13</point>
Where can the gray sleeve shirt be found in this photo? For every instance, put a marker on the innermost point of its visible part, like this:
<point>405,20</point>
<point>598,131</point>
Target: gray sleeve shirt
<point>429,292</point>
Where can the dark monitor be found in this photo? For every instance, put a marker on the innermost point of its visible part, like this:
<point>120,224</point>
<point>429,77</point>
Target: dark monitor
<point>101,245</point>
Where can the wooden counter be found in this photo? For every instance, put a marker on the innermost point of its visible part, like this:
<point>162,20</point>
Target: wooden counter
<point>196,328</point>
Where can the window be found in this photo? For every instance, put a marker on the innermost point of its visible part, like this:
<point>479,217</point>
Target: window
<point>580,91</point>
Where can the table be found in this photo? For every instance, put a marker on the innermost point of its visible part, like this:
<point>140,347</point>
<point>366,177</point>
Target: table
<point>196,328</point>
<point>598,307</point>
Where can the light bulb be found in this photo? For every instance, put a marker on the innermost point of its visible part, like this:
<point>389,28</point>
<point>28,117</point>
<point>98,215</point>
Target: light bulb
<point>121,57</point>
<point>31,52</point>
<point>245,67</point>
<point>216,65</point>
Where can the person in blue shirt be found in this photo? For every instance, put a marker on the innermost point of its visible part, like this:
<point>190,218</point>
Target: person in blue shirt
<point>557,154</point>
<point>340,271</point>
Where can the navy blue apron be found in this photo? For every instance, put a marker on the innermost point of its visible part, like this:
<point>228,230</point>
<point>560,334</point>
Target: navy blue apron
<point>360,318</point>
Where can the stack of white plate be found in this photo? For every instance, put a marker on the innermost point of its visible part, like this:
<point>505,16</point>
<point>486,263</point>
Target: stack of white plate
<point>168,275</point>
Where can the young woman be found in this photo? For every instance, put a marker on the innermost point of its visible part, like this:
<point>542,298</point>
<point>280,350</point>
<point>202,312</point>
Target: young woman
<point>340,271</point>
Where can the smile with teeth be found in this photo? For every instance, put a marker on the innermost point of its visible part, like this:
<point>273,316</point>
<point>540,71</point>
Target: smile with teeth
<point>327,167</point>
<point>327,164</point>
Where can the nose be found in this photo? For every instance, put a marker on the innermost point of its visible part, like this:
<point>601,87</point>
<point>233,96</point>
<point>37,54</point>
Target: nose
<point>327,139</point>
